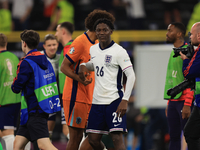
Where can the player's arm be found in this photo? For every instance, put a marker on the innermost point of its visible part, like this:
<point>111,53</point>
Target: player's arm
<point>121,110</point>
<point>84,69</point>
<point>24,72</point>
<point>126,65</point>
<point>66,69</point>
<point>191,68</point>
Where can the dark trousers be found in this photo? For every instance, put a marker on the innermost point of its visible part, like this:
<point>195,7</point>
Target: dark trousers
<point>176,124</point>
<point>192,130</point>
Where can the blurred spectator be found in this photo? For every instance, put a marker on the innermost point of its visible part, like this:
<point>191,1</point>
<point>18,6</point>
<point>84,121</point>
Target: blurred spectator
<point>195,16</point>
<point>64,12</point>
<point>172,12</point>
<point>136,13</point>
<point>6,18</point>
<point>49,7</point>
<point>36,20</point>
<point>107,5</point>
<point>20,12</point>
<point>134,117</point>
<point>157,122</point>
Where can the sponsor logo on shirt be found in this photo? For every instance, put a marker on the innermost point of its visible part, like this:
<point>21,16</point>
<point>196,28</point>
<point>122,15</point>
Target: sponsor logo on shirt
<point>125,60</point>
<point>71,51</point>
<point>78,120</point>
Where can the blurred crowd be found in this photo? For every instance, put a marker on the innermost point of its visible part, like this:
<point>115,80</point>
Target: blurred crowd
<point>17,15</point>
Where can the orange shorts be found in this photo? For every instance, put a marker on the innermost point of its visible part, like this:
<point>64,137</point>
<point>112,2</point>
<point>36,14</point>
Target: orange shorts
<point>76,114</point>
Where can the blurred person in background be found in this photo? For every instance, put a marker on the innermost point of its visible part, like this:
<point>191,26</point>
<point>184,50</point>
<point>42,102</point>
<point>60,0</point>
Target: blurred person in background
<point>135,12</point>
<point>179,107</point>
<point>39,97</point>
<point>134,117</point>
<point>191,70</point>
<point>50,48</point>
<point>195,16</point>
<point>6,17</point>
<point>172,12</point>
<point>49,8</point>
<point>9,102</point>
<point>63,34</point>
<point>64,12</point>
<point>21,10</point>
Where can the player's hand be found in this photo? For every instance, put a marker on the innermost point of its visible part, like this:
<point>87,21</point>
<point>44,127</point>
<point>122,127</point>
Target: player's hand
<point>183,57</point>
<point>87,81</point>
<point>186,110</point>
<point>84,75</point>
<point>121,110</point>
<point>81,72</point>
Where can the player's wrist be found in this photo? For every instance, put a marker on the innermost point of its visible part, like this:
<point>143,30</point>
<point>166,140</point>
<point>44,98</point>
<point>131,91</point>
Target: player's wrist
<point>84,64</point>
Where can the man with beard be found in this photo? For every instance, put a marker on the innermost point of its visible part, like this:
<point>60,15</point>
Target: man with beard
<point>191,70</point>
<point>179,108</point>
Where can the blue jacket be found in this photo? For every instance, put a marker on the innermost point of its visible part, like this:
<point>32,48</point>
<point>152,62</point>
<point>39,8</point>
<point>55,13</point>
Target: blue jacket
<point>25,78</point>
<point>191,69</point>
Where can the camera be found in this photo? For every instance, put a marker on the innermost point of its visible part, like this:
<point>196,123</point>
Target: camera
<point>188,51</point>
<point>188,83</point>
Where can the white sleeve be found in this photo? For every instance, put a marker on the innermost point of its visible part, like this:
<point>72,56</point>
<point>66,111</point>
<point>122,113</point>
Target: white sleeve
<point>130,74</point>
<point>124,59</point>
<point>89,65</point>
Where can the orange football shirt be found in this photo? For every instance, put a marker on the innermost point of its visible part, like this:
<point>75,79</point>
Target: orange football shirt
<point>79,52</point>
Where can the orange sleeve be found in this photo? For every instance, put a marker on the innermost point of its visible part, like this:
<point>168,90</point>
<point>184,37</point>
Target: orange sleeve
<point>75,51</point>
<point>189,96</point>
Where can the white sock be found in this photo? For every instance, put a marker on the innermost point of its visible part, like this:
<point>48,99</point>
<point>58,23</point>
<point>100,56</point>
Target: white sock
<point>68,136</point>
<point>28,146</point>
<point>104,148</point>
<point>9,141</point>
<point>50,135</point>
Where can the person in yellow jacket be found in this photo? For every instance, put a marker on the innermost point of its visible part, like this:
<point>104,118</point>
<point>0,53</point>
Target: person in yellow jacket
<point>6,18</point>
<point>64,12</point>
<point>195,16</point>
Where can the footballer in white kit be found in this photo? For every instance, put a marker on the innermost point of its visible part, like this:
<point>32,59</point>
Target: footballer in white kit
<point>108,112</point>
<point>109,65</point>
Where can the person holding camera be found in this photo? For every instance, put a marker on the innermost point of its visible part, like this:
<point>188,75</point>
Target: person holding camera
<point>179,107</point>
<point>191,69</point>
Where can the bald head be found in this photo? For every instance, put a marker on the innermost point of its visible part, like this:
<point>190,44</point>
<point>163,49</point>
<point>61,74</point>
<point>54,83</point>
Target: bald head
<point>195,34</point>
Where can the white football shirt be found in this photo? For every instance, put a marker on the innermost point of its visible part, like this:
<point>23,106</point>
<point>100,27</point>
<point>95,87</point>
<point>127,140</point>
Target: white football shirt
<point>109,65</point>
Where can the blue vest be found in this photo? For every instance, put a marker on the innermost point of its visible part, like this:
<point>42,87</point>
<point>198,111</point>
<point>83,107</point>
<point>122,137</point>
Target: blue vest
<point>45,89</point>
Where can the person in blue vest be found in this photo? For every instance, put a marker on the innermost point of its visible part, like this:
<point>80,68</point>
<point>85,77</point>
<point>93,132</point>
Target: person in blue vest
<point>37,83</point>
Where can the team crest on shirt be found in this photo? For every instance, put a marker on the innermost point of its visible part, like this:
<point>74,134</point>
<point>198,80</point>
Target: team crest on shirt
<point>108,59</point>
<point>71,51</point>
<point>78,120</point>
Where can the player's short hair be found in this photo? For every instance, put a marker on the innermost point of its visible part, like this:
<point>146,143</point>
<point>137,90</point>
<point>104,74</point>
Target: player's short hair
<point>31,38</point>
<point>49,37</point>
<point>180,26</point>
<point>3,40</point>
<point>95,15</point>
<point>68,26</point>
<point>103,20</point>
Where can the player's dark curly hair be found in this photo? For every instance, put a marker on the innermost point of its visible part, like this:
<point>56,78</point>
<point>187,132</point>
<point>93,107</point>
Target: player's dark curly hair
<point>95,15</point>
<point>103,20</point>
<point>31,37</point>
